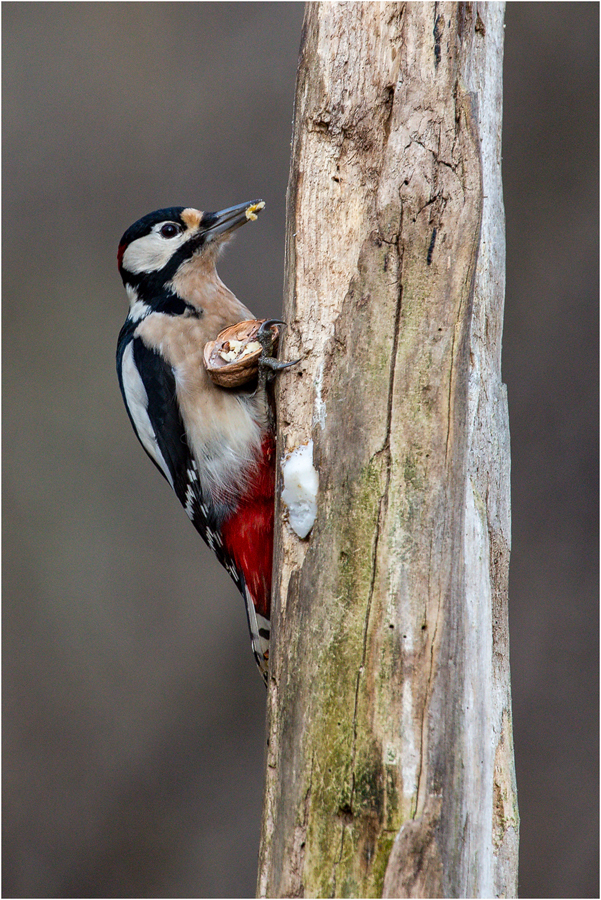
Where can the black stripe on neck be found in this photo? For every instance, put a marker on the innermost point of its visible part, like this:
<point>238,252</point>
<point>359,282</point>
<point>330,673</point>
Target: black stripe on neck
<point>165,300</point>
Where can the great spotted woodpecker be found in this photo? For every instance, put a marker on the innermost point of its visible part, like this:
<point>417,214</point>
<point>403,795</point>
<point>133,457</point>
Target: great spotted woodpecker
<point>215,446</point>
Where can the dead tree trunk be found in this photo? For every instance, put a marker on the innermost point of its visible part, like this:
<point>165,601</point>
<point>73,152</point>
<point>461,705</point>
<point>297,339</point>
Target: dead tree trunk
<point>390,760</point>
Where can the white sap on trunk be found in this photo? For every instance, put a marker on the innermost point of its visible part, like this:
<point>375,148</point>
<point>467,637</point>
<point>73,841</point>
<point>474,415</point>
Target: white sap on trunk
<point>301,483</point>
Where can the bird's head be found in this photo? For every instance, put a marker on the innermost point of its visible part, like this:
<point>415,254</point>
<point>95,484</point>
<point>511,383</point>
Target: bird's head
<point>154,248</point>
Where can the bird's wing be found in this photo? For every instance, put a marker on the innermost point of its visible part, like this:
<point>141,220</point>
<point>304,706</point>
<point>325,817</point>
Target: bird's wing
<point>153,409</point>
<point>152,406</point>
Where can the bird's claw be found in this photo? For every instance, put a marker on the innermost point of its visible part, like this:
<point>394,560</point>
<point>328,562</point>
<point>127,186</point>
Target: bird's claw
<point>268,365</point>
<point>265,335</point>
<point>266,325</point>
<point>268,362</point>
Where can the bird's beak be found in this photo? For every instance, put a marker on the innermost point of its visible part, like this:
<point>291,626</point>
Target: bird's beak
<point>227,220</point>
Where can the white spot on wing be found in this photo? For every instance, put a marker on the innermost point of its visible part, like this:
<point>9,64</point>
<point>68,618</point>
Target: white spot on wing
<point>137,404</point>
<point>190,502</point>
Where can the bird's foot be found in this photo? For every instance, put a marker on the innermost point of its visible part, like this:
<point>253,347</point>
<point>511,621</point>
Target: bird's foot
<point>269,366</point>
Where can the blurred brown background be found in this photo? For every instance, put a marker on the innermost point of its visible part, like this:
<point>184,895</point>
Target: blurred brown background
<point>133,713</point>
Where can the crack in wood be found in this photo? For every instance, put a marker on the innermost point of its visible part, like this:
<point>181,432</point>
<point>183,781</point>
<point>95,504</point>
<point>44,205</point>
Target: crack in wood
<point>402,759</point>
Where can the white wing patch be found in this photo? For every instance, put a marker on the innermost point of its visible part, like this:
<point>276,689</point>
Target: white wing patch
<point>137,404</point>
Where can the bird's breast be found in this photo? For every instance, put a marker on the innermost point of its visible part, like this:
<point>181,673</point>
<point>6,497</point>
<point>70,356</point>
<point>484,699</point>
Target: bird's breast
<point>224,428</point>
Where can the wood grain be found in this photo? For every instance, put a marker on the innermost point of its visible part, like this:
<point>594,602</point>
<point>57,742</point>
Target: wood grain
<point>390,759</point>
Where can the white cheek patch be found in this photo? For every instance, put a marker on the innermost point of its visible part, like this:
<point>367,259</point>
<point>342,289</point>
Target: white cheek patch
<point>151,252</point>
<point>137,404</point>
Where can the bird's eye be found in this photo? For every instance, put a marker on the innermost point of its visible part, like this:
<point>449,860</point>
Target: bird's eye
<point>169,230</point>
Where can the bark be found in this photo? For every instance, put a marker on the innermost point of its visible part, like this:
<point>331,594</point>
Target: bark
<point>390,759</point>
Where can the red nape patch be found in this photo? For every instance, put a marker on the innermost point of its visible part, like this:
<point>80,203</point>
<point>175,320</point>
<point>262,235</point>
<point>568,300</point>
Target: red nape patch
<point>120,253</point>
<point>248,534</point>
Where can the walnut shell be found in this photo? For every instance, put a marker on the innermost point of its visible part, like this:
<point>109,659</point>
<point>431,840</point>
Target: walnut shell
<point>232,359</point>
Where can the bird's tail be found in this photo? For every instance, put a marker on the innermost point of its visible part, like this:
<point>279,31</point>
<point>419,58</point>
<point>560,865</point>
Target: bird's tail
<point>260,630</point>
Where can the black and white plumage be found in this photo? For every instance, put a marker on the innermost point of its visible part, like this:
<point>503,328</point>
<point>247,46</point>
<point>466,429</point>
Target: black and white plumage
<point>214,446</point>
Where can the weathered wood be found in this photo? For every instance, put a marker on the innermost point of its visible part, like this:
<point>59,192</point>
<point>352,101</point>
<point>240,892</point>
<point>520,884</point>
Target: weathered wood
<point>390,759</point>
